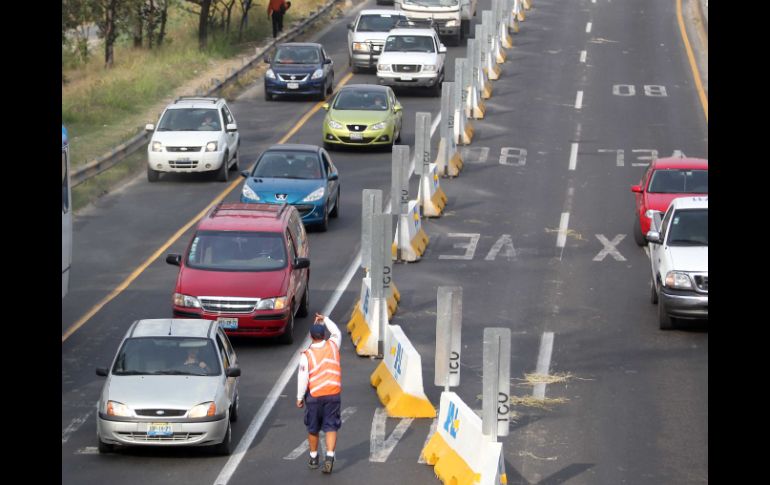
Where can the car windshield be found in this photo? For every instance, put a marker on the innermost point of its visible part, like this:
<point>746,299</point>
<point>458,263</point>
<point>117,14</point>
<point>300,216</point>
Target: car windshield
<point>237,251</point>
<point>288,165</point>
<point>689,227</point>
<point>361,99</point>
<point>377,23</point>
<point>679,181</point>
<point>190,119</point>
<point>409,43</point>
<point>167,356</point>
<point>297,55</point>
<point>432,3</point>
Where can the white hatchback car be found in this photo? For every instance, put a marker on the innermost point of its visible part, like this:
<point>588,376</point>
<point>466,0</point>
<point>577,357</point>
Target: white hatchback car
<point>194,134</point>
<point>412,57</point>
<point>173,382</point>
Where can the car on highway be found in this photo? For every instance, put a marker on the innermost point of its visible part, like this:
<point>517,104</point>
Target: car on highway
<point>194,134</point>
<point>679,257</point>
<point>412,58</point>
<point>362,115</point>
<point>299,68</point>
<point>172,382</point>
<point>301,175</point>
<point>367,34</point>
<point>246,268</point>
<point>664,180</point>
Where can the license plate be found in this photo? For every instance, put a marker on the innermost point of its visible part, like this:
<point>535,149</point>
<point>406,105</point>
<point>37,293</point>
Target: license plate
<point>376,48</point>
<point>185,160</point>
<point>228,323</point>
<point>406,78</point>
<point>356,136</point>
<point>292,85</point>
<point>159,429</point>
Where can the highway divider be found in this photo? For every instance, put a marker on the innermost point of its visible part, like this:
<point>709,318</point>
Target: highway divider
<point>448,159</point>
<point>430,196</point>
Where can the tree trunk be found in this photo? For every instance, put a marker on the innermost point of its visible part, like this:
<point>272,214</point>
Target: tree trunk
<point>245,6</point>
<point>163,16</point>
<point>109,32</point>
<point>138,27</point>
<point>150,23</point>
<point>203,24</point>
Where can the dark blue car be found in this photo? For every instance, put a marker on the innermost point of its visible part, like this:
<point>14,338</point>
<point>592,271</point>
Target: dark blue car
<point>299,68</point>
<point>301,175</point>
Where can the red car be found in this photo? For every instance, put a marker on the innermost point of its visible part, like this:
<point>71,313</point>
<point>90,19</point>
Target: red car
<point>663,181</point>
<point>246,267</point>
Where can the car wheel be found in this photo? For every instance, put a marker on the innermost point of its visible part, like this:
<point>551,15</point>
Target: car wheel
<point>331,87</point>
<point>223,172</point>
<point>638,236</point>
<point>225,447</point>
<point>398,138</point>
<point>324,225</point>
<point>105,447</point>
<point>355,69</point>
<point>304,305</point>
<point>288,334</point>
<point>335,213</point>
<point>237,163</point>
<point>666,323</point>
<point>152,175</point>
<point>234,409</point>
<point>653,293</point>
<point>435,90</point>
<point>268,96</point>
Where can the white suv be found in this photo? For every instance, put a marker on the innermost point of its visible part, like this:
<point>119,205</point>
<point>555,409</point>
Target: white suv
<point>679,255</point>
<point>194,134</point>
<point>412,57</point>
<point>367,34</point>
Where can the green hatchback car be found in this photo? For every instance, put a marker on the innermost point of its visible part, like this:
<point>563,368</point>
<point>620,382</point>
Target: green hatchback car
<point>362,115</point>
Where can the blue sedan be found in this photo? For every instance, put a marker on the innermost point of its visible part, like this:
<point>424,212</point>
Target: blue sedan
<point>301,175</point>
<point>299,68</point>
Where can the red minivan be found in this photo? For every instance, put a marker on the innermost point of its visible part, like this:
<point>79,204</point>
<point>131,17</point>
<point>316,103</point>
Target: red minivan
<point>247,267</point>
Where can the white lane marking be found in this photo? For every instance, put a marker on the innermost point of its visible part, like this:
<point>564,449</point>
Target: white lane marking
<point>430,435</point>
<point>510,252</point>
<point>88,450</point>
<point>610,248</point>
<point>561,239</point>
<point>474,154</point>
<point>470,247</point>
<point>573,156</point>
<point>380,448</point>
<point>579,100</point>
<point>593,1</point>
<point>588,27</point>
<point>305,446</point>
<point>543,363</point>
<point>74,425</point>
<point>583,56</point>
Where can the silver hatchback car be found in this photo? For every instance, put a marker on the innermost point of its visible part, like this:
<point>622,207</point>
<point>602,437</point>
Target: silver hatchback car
<point>173,382</point>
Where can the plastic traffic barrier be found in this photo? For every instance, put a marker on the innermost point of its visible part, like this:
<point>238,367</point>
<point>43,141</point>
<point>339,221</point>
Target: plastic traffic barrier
<point>430,194</point>
<point>411,239</point>
<point>398,378</point>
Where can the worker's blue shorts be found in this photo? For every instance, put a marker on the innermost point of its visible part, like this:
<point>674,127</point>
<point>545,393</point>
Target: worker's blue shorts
<point>322,413</point>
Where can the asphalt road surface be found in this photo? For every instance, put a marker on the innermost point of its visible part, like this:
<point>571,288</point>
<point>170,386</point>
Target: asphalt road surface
<point>588,94</point>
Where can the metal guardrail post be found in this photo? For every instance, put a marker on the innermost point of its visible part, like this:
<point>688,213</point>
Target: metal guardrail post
<point>371,204</point>
<point>496,383</point>
<point>399,191</point>
<point>449,321</point>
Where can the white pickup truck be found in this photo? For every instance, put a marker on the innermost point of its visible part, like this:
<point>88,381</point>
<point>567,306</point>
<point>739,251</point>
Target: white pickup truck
<point>412,58</point>
<point>453,17</point>
<point>679,255</point>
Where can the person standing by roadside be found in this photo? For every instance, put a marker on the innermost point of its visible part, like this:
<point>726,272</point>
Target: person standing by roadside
<point>319,384</point>
<point>276,9</point>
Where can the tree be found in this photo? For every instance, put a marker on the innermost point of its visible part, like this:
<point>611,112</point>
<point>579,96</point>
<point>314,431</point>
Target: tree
<point>108,25</point>
<point>203,21</point>
<point>77,16</point>
<point>245,7</point>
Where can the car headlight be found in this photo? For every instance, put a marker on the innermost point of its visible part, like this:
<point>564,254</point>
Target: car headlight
<point>249,194</point>
<point>334,125</point>
<point>186,301</point>
<point>379,126</point>
<point>270,74</point>
<point>452,23</point>
<point>383,67</point>
<point>115,408</point>
<point>157,146</point>
<point>315,195</point>
<point>318,74</point>
<point>361,46</point>
<point>211,146</point>
<point>202,410</point>
<point>429,68</point>
<point>277,303</point>
<point>678,280</point>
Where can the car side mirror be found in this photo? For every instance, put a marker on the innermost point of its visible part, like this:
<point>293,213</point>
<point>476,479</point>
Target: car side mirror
<point>301,263</point>
<point>325,106</point>
<point>636,188</point>
<point>175,259</point>
<point>149,127</point>
<point>327,61</point>
<point>101,371</point>
<point>245,174</point>
<point>397,108</point>
<point>334,176</point>
<point>233,371</point>
<point>653,237</point>
<point>442,49</point>
<point>231,127</point>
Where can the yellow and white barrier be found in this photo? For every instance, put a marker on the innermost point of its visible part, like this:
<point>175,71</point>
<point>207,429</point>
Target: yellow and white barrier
<point>488,61</point>
<point>410,237</point>
<point>503,13</point>
<point>459,451</point>
<point>448,159</point>
<point>514,16</point>
<point>430,195</point>
<point>398,378</point>
<point>527,4</point>
<point>362,333</point>
<point>475,106</point>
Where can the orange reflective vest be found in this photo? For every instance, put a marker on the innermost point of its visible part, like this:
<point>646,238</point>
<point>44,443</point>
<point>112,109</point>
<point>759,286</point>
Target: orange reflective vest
<point>324,371</point>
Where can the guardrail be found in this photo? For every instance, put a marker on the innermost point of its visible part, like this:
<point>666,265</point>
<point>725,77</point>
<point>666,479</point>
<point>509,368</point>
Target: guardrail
<point>122,151</point>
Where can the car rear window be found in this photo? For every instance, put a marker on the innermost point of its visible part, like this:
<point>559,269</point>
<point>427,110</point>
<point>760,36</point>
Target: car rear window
<point>167,356</point>
<point>237,251</point>
<point>678,181</point>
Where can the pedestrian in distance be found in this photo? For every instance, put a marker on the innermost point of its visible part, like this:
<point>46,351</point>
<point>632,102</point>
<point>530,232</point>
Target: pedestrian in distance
<point>319,384</point>
<point>276,9</point>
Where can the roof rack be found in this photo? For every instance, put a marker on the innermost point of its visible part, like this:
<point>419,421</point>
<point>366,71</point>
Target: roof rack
<point>196,98</point>
<point>416,24</point>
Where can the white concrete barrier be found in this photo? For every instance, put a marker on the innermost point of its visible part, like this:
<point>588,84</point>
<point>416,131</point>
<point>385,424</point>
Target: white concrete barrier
<point>411,240</point>
<point>475,106</point>
<point>398,378</point>
<point>364,330</point>
<point>431,196</point>
<point>458,450</point>
<point>463,128</point>
<point>489,62</point>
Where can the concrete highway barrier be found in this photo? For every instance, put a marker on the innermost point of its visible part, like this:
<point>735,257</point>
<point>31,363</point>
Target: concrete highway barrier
<point>410,239</point>
<point>463,128</point>
<point>489,65</point>
<point>448,159</point>
<point>430,196</point>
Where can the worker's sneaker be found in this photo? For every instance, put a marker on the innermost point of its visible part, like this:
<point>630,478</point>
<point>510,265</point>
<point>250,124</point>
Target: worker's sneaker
<point>328,464</point>
<point>313,463</point>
